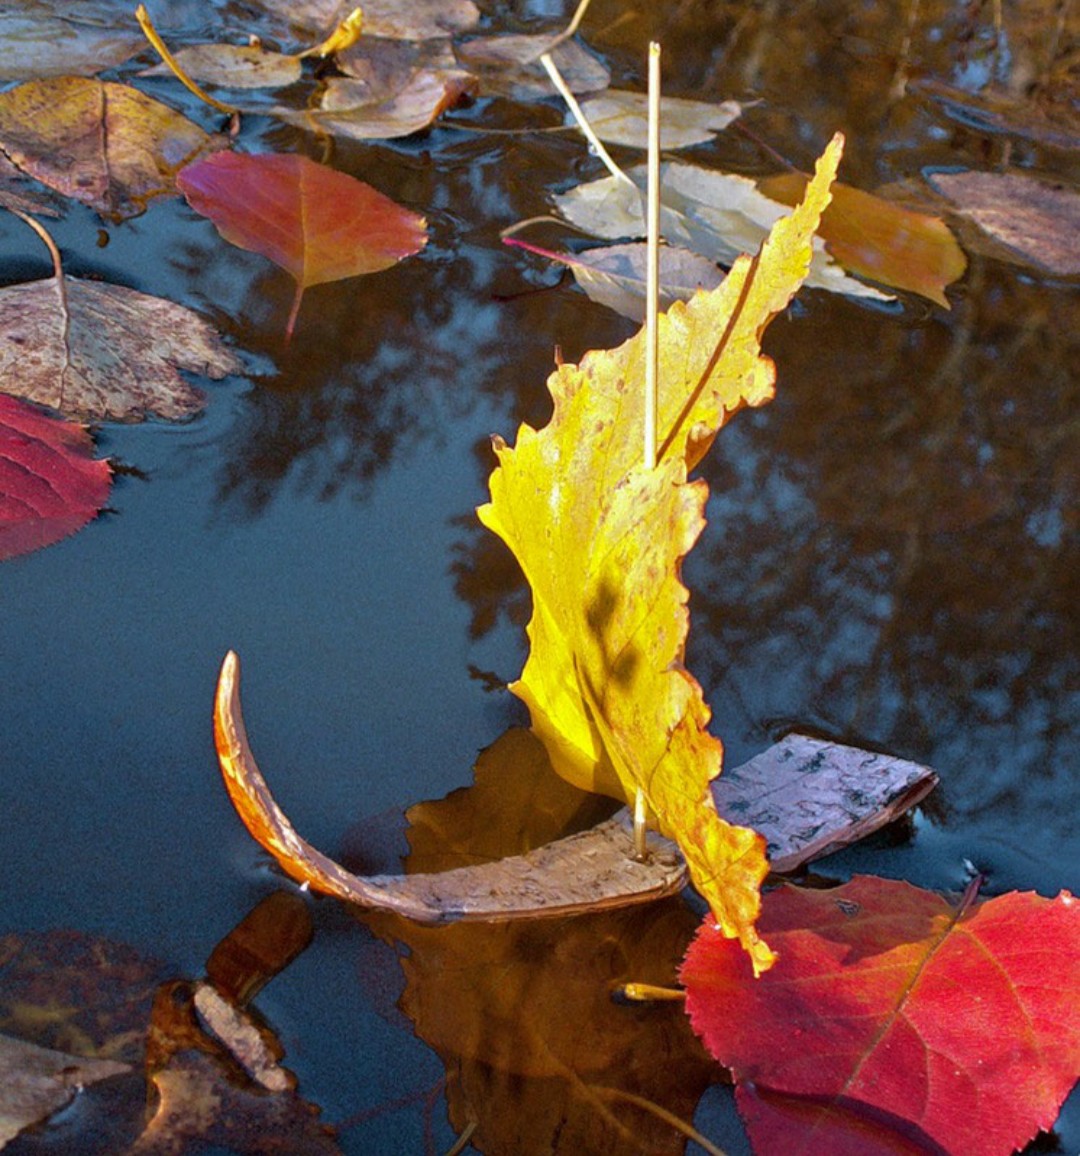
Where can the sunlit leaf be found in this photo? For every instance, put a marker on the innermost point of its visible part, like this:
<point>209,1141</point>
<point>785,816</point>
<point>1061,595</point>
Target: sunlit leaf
<point>601,538</point>
<point>1037,220</point>
<point>107,145</point>
<point>615,275</point>
<point>97,351</point>
<point>718,215</point>
<point>895,1021</point>
<point>621,117</point>
<point>393,89</point>
<point>880,240</point>
<point>50,485</point>
<point>318,224</point>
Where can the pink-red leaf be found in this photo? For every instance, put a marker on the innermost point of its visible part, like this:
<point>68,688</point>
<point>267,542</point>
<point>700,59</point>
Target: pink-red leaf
<point>50,486</point>
<point>894,1022</point>
<point>315,222</point>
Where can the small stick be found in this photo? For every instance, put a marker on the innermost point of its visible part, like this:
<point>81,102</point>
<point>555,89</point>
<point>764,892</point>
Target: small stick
<point>650,992</point>
<point>652,345</point>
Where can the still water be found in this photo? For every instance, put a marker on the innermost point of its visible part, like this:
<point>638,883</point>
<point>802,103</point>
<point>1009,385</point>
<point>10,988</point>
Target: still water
<point>891,557</point>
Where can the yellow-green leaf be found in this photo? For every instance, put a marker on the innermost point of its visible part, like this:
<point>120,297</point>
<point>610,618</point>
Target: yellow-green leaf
<point>601,539</point>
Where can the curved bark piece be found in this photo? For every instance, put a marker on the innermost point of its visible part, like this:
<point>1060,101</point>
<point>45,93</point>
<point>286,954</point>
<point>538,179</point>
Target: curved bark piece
<point>584,872</point>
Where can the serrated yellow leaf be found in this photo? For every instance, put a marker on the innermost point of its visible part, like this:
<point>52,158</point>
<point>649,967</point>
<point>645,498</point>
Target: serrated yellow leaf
<point>601,541</point>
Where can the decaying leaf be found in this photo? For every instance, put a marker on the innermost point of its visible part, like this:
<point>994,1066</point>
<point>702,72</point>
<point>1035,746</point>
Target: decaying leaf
<point>35,1082</point>
<point>233,66</point>
<point>52,38</point>
<point>393,89</point>
<point>600,538</point>
<point>615,275</point>
<point>621,117</point>
<point>315,222</point>
<point>894,1021</point>
<point>50,484</point>
<point>107,145</point>
<point>105,352</point>
<point>1037,220</point>
<point>390,19</point>
<point>718,215</point>
<point>510,65</point>
<point>881,240</point>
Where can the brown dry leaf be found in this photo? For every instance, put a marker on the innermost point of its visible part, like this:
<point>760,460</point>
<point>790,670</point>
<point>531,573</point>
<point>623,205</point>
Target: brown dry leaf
<point>35,1082</point>
<point>107,145</point>
<point>95,351</point>
<point>57,38</point>
<point>510,65</point>
<point>391,19</point>
<point>537,1052</point>
<point>233,66</point>
<point>394,88</point>
<point>1039,221</point>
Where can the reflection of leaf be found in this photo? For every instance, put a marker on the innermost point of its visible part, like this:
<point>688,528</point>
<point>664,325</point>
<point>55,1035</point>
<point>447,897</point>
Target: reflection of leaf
<point>615,275</point>
<point>601,540</point>
<point>718,215</point>
<point>1038,220</point>
<point>35,1082</point>
<point>393,89</point>
<point>105,144</point>
<point>894,1022</point>
<point>536,1050</point>
<point>315,222</point>
<point>98,351</point>
<point>621,117</point>
<point>510,65</point>
<point>879,240</point>
<point>50,486</point>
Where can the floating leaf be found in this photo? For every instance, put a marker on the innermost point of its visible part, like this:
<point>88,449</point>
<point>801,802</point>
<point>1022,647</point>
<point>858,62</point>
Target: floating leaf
<point>718,215</point>
<point>50,485</point>
<point>391,19</point>
<point>615,275</point>
<point>107,145</point>
<point>895,1022</point>
<point>233,66</point>
<point>601,539</point>
<point>880,240</point>
<point>318,224</point>
<point>621,117</point>
<point>1037,220</point>
<point>393,89</point>
<point>97,351</point>
<point>35,1082</point>
<point>57,39</point>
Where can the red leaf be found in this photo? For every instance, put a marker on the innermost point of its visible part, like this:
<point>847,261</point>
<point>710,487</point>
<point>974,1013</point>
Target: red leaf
<point>894,1022</point>
<point>50,486</point>
<point>315,222</point>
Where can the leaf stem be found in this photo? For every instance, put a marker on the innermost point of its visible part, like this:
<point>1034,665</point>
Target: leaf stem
<point>151,34</point>
<point>290,325</point>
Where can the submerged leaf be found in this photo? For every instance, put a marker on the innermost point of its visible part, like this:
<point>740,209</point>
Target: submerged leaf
<point>510,65</point>
<point>318,224</point>
<point>879,240</point>
<point>601,538</point>
<point>1038,220</point>
<point>50,486</point>
<point>107,145</point>
<point>718,215</point>
<point>96,351</point>
<point>621,117</point>
<point>895,1022</point>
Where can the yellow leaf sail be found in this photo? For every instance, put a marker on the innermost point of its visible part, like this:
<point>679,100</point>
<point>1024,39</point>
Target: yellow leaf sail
<point>601,540</point>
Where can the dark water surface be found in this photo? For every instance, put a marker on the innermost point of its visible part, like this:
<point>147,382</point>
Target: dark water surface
<point>891,558</point>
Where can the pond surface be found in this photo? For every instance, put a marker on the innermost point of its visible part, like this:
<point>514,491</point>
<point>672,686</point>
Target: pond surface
<point>891,558</point>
